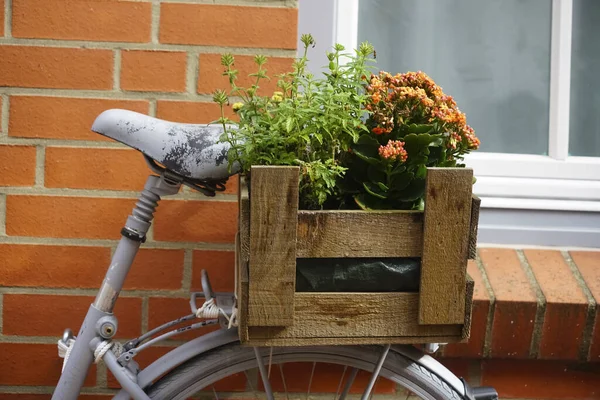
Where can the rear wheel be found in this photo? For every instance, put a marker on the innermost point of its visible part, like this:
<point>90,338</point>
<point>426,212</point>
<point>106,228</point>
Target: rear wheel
<point>299,372</point>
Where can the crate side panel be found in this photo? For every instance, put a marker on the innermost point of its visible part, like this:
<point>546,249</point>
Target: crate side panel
<point>254,341</point>
<point>273,226</point>
<point>359,234</point>
<point>355,315</point>
<point>445,244</point>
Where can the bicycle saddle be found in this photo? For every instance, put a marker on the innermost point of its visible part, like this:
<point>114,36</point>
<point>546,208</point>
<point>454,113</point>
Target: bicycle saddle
<point>192,151</point>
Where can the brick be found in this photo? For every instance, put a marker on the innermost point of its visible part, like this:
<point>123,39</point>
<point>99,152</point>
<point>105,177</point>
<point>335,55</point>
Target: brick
<point>62,117</point>
<point>220,268</point>
<point>33,365</point>
<point>566,305</point>
<point>223,25</point>
<point>516,304</point>
<point>190,112</point>
<point>164,309</point>
<point>17,165</point>
<point>326,379</point>
<point>55,68</point>
<point>588,264</point>
<point>481,305</point>
<point>108,20</point>
<point>95,168</point>
<point>27,265</point>
<point>1,17</point>
<point>156,269</point>
<point>537,379</point>
<point>49,315</point>
<point>66,217</point>
<point>153,71</point>
<point>211,78</point>
<point>196,221</point>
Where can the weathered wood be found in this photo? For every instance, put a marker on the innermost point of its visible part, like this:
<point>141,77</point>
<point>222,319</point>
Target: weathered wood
<point>258,336</point>
<point>470,288</point>
<point>273,226</point>
<point>445,245</point>
<point>475,205</point>
<point>347,340</point>
<point>355,315</point>
<point>359,234</point>
<point>241,291</point>
<point>244,219</point>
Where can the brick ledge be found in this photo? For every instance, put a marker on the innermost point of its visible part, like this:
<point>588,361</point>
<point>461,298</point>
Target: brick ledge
<point>534,304</point>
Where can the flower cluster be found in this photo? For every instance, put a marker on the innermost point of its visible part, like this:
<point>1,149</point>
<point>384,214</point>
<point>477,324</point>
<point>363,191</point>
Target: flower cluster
<point>414,98</point>
<point>393,150</point>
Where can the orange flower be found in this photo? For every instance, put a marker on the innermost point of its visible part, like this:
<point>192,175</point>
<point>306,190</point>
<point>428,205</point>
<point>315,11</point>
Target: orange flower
<point>393,150</point>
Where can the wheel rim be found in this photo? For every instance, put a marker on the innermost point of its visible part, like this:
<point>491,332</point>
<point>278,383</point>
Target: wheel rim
<point>247,364</point>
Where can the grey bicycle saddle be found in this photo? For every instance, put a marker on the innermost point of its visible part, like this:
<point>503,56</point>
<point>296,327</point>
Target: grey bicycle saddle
<point>190,150</point>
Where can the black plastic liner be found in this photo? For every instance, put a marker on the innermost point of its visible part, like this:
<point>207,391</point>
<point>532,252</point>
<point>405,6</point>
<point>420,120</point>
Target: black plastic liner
<point>358,274</point>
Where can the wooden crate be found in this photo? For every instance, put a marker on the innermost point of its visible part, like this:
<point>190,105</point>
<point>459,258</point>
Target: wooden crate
<point>273,233</point>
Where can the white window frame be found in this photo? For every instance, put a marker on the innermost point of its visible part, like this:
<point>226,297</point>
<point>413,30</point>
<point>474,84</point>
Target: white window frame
<point>520,181</point>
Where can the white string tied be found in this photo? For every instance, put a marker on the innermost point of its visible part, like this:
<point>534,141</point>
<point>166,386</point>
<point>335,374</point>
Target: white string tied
<point>64,350</point>
<point>210,310</point>
<point>102,348</point>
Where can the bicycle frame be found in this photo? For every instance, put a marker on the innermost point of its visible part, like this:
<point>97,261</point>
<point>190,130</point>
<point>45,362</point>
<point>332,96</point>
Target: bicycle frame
<point>100,323</point>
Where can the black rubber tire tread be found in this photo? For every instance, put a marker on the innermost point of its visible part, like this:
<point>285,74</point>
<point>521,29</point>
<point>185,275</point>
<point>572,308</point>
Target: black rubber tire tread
<point>204,365</point>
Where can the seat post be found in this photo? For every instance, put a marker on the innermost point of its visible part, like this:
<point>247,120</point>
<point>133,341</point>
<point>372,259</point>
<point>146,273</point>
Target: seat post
<point>133,235</point>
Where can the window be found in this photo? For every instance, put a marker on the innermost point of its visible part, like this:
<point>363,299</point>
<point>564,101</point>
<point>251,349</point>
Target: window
<point>525,73</point>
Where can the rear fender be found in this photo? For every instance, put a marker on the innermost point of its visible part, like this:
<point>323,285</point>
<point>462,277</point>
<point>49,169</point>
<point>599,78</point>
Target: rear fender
<point>222,337</point>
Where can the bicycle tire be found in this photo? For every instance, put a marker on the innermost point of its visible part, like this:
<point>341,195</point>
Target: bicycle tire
<point>205,369</point>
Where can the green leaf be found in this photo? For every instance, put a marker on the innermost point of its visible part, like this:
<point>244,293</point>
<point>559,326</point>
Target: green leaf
<point>414,191</point>
<point>288,124</point>
<point>400,181</point>
<point>374,190</point>
<point>419,128</point>
<point>383,187</point>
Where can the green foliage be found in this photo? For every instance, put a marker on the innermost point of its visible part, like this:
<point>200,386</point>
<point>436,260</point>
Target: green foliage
<point>311,122</point>
<point>375,182</point>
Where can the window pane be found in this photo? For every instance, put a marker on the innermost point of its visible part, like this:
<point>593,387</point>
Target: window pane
<point>493,56</point>
<point>584,135</point>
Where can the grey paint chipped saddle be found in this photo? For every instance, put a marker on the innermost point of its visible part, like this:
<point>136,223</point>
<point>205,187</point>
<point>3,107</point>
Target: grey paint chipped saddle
<point>190,150</point>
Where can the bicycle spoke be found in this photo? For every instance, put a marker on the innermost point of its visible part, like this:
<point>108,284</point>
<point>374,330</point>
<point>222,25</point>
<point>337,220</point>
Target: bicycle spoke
<point>263,374</point>
<point>340,383</point>
<point>215,392</point>
<point>270,361</point>
<point>312,373</point>
<point>376,372</point>
<point>349,382</point>
<point>252,388</point>
<point>283,380</point>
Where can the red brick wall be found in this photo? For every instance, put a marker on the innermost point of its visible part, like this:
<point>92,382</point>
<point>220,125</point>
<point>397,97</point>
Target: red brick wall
<point>65,191</point>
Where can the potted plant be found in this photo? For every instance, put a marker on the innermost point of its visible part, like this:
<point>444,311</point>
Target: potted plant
<point>349,165</point>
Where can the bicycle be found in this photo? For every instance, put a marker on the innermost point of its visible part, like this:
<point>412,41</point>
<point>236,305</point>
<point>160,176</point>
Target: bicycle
<point>191,155</point>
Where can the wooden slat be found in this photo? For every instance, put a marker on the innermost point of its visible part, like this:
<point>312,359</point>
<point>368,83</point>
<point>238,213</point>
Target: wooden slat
<point>347,340</point>
<point>470,288</point>
<point>273,226</point>
<point>445,245</point>
<point>359,234</point>
<point>241,291</point>
<point>323,315</point>
<point>244,219</point>
<point>475,205</point>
